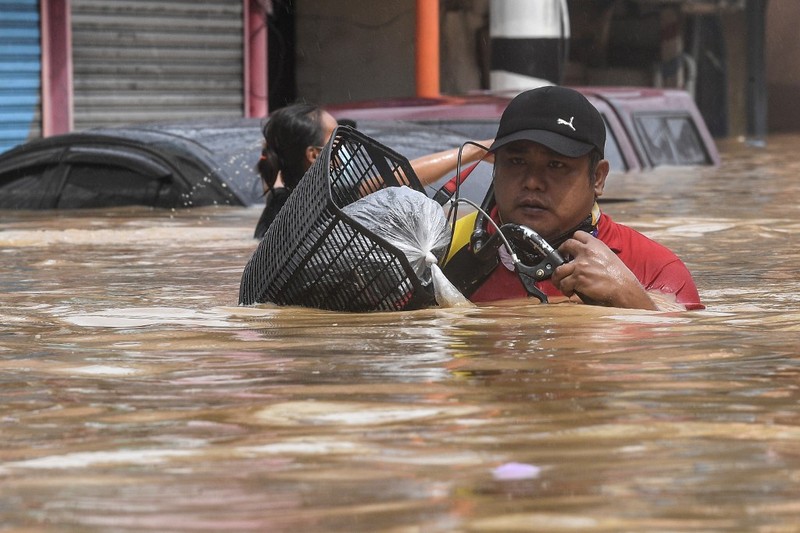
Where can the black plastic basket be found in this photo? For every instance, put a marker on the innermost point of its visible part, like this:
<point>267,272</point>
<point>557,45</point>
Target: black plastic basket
<point>315,255</point>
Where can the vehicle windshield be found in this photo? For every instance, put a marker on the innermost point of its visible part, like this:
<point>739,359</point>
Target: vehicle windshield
<point>670,139</point>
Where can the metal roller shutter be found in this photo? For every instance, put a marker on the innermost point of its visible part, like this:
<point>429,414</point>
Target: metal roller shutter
<point>144,60</point>
<point>20,70</point>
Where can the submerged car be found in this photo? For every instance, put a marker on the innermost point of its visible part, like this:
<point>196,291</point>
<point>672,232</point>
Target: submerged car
<point>158,165</point>
<point>212,162</point>
<point>175,165</point>
<point>646,127</point>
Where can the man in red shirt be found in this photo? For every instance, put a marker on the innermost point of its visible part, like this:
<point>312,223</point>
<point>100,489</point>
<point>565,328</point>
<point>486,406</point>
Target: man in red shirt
<point>548,173</point>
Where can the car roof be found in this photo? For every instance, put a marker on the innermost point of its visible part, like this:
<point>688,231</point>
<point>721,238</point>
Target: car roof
<point>231,147</point>
<point>487,104</point>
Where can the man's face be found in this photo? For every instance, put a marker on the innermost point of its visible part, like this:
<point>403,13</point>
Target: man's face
<point>544,190</point>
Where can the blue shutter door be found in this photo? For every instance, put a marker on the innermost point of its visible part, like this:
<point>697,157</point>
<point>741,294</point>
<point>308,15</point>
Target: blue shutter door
<point>20,72</point>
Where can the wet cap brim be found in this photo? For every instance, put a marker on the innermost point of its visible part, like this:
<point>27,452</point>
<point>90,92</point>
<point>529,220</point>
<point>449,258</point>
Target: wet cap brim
<point>558,143</point>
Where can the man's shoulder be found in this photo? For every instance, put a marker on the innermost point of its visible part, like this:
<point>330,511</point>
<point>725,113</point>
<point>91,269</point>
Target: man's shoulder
<point>625,241</point>
<point>639,252</point>
<point>657,267</point>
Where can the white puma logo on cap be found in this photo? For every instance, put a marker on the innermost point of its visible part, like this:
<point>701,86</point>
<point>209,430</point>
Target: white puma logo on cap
<point>565,123</point>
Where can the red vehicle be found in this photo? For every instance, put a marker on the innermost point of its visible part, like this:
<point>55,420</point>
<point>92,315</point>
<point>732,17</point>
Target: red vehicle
<point>646,127</point>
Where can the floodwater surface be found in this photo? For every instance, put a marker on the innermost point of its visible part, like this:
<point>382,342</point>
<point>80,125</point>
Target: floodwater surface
<point>135,395</point>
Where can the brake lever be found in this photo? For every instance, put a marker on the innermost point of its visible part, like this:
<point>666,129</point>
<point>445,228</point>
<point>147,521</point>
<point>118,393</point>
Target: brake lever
<point>530,274</point>
<point>525,238</point>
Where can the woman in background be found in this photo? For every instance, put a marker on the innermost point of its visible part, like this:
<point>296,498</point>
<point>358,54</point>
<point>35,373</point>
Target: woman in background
<point>293,139</point>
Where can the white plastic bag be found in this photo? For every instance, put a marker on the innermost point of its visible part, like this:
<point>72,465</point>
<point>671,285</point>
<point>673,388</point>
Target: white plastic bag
<point>409,221</point>
<point>415,225</point>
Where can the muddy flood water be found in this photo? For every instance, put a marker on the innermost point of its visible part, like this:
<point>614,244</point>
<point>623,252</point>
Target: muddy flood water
<point>135,395</point>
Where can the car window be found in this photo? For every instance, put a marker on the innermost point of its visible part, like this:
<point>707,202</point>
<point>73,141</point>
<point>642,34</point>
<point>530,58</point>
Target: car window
<point>96,185</point>
<point>87,178</point>
<point>612,153</point>
<point>671,139</point>
<point>204,185</point>
<point>31,187</point>
<point>218,153</point>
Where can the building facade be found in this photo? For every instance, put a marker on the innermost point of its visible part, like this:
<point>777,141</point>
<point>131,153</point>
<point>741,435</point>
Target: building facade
<point>74,64</point>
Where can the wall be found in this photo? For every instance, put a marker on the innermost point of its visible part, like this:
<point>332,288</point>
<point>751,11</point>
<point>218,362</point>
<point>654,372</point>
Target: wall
<point>783,69</point>
<point>464,51</point>
<point>734,27</point>
<point>352,50</point>
<point>347,52</point>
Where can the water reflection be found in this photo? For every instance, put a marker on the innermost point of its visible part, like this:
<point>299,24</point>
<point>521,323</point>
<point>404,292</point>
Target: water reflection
<point>136,395</point>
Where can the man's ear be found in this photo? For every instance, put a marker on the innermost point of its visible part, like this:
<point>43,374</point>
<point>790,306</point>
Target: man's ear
<point>600,175</point>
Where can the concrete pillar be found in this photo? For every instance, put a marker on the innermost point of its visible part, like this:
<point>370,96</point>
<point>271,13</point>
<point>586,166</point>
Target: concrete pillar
<point>756,11</point>
<point>671,72</point>
<point>528,42</point>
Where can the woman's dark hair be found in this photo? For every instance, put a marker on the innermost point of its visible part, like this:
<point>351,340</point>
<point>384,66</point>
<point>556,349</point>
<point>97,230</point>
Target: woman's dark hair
<point>287,134</point>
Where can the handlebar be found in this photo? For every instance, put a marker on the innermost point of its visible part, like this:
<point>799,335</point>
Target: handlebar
<point>538,259</point>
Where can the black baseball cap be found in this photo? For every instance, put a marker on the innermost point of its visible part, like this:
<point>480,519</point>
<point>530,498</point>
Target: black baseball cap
<point>559,118</point>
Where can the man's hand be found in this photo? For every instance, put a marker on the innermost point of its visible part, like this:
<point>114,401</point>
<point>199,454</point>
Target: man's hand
<point>597,276</point>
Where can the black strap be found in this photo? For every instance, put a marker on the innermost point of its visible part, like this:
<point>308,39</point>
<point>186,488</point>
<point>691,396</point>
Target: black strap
<point>467,271</point>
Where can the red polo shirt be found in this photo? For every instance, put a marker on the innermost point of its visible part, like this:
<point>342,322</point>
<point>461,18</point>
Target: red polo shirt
<point>654,265</point>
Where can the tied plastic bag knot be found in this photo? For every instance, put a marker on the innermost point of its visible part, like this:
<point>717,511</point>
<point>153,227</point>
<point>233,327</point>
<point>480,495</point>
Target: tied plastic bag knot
<point>447,295</point>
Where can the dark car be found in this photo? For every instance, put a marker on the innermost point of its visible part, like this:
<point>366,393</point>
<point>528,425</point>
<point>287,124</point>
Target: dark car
<point>159,165</point>
<point>169,165</point>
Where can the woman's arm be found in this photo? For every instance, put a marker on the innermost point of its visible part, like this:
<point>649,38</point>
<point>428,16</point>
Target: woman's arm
<point>431,167</point>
